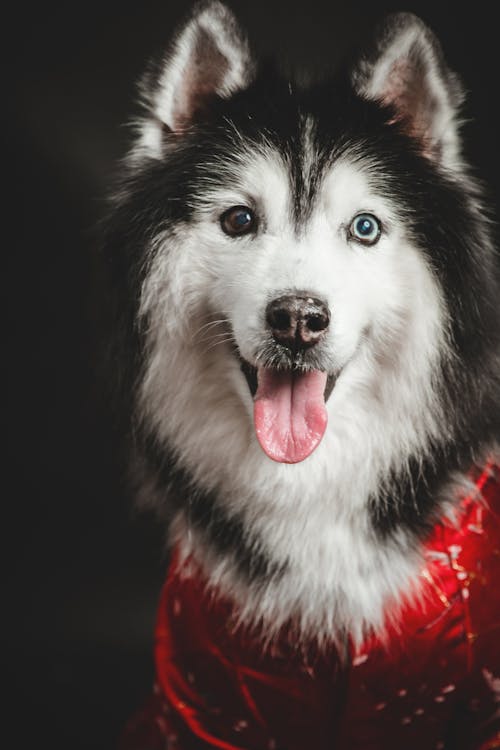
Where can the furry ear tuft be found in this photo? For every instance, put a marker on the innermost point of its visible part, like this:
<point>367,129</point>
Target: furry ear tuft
<point>208,57</point>
<point>406,70</point>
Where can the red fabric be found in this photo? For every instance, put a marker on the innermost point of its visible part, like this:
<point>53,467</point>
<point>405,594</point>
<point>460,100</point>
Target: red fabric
<point>434,684</point>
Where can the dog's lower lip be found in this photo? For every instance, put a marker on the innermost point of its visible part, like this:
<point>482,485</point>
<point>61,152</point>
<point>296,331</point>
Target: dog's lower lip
<point>250,373</point>
<point>330,383</point>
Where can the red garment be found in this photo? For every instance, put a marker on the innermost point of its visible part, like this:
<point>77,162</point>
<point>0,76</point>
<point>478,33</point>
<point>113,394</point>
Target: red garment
<point>435,685</point>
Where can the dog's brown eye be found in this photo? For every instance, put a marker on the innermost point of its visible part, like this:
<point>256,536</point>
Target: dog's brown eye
<point>238,220</point>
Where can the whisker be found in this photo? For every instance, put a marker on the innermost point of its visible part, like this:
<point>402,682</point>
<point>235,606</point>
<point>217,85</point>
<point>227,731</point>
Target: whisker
<point>207,326</point>
<point>213,336</point>
<point>226,340</point>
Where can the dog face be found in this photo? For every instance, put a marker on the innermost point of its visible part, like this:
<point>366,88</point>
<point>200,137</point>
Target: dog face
<point>375,310</point>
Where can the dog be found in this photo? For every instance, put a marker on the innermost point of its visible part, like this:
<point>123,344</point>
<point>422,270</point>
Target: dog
<point>306,344</point>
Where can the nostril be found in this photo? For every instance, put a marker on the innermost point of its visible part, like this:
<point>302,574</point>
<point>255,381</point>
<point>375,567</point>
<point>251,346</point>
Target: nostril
<point>279,320</point>
<point>317,323</point>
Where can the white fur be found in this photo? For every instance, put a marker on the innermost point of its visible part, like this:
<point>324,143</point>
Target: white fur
<point>386,337</point>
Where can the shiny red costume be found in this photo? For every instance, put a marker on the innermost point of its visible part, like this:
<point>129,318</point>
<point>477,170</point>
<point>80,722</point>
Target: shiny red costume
<point>435,684</point>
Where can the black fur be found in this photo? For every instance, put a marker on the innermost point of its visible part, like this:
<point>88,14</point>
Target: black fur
<point>207,515</point>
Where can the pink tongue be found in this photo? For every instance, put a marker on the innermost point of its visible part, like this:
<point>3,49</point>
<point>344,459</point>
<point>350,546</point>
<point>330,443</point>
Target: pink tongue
<point>289,413</point>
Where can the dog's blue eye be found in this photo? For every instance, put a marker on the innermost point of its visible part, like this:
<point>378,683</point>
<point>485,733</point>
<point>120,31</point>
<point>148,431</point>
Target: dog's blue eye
<point>365,228</point>
<point>238,220</point>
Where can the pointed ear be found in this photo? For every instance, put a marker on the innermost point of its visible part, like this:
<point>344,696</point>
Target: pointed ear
<point>407,71</point>
<point>209,57</point>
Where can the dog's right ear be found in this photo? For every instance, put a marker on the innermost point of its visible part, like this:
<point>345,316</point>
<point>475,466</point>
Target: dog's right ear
<point>406,70</point>
<point>209,57</point>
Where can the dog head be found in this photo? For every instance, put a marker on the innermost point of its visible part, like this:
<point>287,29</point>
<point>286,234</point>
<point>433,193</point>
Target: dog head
<point>302,266</point>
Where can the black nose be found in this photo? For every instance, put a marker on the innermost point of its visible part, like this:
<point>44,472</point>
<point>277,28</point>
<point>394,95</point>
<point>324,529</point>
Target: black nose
<point>297,321</point>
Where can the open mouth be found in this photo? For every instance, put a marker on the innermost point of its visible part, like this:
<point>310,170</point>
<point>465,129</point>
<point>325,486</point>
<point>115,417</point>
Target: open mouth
<point>290,414</point>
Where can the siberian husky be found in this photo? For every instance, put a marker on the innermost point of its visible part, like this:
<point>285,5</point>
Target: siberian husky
<point>306,300</point>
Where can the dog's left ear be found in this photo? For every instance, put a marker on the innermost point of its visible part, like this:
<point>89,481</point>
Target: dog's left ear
<point>407,71</point>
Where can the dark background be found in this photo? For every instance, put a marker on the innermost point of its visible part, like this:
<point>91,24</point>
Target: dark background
<point>84,570</point>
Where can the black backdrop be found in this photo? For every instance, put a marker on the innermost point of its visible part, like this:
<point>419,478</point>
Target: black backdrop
<point>83,570</point>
